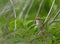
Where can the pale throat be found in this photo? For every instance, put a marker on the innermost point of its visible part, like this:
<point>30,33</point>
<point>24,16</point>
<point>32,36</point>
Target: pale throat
<point>37,22</point>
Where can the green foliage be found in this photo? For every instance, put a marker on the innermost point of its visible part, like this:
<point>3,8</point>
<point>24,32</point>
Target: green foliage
<point>25,23</point>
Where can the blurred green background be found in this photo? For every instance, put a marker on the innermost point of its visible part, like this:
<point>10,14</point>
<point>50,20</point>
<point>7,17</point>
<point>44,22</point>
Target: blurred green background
<point>17,21</point>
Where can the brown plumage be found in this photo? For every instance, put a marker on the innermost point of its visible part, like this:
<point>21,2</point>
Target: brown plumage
<point>39,22</point>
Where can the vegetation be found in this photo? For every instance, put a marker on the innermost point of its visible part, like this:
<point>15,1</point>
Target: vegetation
<point>29,21</point>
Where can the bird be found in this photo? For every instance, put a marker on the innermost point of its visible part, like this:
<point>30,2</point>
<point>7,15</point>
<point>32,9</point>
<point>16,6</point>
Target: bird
<point>39,22</point>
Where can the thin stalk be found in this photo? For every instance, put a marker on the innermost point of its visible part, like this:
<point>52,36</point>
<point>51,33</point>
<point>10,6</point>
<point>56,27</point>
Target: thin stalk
<point>46,20</point>
<point>54,17</point>
<point>40,5</point>
<point>24,8</point>
<point>14,12</point>
<point>29,9</point>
